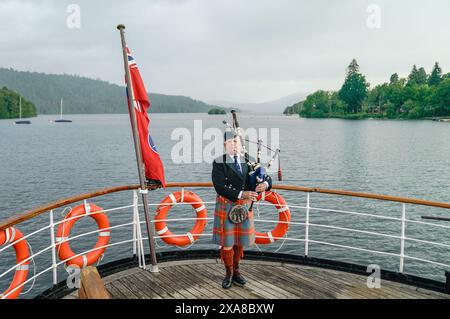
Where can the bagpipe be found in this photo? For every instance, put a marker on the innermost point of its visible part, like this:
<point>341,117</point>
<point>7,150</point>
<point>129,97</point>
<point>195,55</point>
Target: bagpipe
<point>257,171</point>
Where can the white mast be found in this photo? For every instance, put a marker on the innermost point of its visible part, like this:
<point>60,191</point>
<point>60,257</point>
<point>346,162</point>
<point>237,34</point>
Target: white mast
<point>20,108</point>
<point>60,116</point>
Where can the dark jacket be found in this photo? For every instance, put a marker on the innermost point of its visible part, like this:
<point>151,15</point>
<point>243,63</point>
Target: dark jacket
<point>227,180</point>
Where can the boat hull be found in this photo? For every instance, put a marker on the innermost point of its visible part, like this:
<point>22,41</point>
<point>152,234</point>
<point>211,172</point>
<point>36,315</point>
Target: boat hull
<point>62,121</point>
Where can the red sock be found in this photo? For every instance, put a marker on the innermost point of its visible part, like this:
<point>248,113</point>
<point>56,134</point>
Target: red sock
<point>238,254</point>
<point>227,258</point>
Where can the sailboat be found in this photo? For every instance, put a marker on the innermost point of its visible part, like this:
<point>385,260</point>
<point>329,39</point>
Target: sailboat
<point>20,121</point>
<point>61,120</point>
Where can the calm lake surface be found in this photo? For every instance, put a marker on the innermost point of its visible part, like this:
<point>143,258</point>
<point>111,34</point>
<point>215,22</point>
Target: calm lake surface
<point>43,162</point>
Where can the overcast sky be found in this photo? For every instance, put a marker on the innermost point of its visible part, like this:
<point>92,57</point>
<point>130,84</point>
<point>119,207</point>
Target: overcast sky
<point>235,50</point>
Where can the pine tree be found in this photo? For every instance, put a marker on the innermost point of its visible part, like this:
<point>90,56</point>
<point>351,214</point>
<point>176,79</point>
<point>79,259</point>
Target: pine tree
<point>422,76</point>
<point>412,76</point>
<point>354,90</point>
<point>417,76</point>
<point>394,78</point>
<point>436,75</point>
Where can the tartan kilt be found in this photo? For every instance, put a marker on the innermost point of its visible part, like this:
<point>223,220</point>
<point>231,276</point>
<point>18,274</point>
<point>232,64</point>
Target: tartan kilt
<point>228,234</point>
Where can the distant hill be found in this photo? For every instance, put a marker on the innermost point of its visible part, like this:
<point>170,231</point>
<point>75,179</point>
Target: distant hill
<point>9,105</point>
<point>87,96</point>
<point>275,106</point>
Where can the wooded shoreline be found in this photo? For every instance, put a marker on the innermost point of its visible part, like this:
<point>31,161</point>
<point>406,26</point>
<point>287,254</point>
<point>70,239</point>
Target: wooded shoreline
<point>419,96</point>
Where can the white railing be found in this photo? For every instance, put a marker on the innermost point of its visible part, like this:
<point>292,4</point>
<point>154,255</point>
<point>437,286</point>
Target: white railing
<point>137,241</point>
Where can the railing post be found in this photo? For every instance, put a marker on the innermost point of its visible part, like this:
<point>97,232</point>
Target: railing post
<point>140,244</point>
<point>135,203</point>
<point>52,238</point>
<point>307,225</point>
<point>402,239</point>
<point>447,282</point>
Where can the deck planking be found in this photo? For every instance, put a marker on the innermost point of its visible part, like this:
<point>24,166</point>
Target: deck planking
<point>201,279</point>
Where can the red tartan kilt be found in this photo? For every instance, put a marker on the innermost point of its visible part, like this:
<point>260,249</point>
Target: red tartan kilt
<point>228,234</point>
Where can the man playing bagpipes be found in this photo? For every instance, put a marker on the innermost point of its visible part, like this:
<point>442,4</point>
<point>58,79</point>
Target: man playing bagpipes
<point>233,220</point>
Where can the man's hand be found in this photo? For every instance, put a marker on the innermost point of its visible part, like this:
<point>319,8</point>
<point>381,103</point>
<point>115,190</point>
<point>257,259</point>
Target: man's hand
<point>261,187</point>
<point>250,195</point>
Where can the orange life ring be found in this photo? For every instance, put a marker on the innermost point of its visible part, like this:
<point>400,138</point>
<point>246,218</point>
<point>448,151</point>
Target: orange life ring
<point>284,217</point>
<point>164,207</point>
<point>11,235</point>
<point>62,234</point>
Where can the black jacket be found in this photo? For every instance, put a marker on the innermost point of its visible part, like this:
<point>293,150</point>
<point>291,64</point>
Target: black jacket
<point>227,180</point>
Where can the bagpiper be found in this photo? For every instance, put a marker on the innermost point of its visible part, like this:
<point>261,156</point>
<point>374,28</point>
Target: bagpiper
<point>233,221</point>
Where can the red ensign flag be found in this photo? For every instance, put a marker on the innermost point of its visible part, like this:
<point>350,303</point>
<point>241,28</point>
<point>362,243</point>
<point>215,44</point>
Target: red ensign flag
<point>154,168</point>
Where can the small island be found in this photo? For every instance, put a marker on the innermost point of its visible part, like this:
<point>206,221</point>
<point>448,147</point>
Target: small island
<point>216,111</point>
<point>9,105</point>
<point>419,96</point>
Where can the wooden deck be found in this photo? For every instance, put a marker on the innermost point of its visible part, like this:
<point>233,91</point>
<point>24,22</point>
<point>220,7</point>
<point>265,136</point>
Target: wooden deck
<point>201,279</point>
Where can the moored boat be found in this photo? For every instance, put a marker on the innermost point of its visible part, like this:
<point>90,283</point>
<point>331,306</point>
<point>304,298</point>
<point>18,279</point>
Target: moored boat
<point>20,121</point>
<point>61,120</point>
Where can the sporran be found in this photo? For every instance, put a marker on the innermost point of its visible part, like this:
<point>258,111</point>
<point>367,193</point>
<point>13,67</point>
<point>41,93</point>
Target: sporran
<point>238,214</point>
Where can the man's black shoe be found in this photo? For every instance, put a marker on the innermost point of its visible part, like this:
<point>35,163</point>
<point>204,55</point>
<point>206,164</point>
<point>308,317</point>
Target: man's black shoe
<point>239,280</point>
<point>226,283</point>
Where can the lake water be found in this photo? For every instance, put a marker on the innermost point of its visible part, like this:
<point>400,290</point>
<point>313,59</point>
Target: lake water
<point>44,162</point>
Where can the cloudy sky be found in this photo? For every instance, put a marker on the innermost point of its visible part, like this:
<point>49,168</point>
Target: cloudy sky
<point>235,50</point>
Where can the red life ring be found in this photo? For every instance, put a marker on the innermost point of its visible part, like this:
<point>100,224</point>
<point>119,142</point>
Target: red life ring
<point>11,235</point>
<point>62,234</point>
<point>284,217</point>
<point>161,215</point>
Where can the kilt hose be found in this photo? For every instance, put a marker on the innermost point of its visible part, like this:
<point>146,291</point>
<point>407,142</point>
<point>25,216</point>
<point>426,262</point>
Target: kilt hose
<point>228,234</point>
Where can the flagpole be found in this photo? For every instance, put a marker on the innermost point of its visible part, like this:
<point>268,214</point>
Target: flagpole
<point>137,148</point>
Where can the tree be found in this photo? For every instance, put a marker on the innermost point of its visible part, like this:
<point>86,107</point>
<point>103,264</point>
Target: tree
<point>417,76</point>
<point>336,104</point>
<point>394,78</point>
<point>436,75</point>
<point>378,97</point>
<point>9,105</point>
<point>417,97</point>
<point>441,97</point>
<point>316,104</point>
<point>396,95</point>
<point>412,76</point>
<point>412,110</point>
<point>294,109</point>
<point>422,77</point>
<point>216,111</point>
<point>354,90</point>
